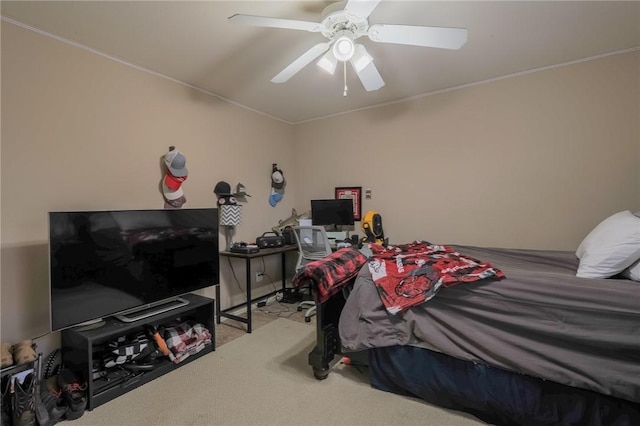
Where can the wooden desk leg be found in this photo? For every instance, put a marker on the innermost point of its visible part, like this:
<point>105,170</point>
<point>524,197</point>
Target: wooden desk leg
<point>248,267</point>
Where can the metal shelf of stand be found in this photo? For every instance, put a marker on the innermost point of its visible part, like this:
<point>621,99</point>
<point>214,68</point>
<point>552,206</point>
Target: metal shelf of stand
<point>35,366</point>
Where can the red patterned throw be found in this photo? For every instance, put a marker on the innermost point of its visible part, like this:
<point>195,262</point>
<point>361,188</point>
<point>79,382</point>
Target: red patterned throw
<point>407,275</point>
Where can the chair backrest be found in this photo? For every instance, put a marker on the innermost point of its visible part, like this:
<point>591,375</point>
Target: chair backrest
<point>313,244</point>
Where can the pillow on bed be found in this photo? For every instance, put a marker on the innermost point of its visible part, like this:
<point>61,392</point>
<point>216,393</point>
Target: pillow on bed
<point>632,272</point>
<point>610,247</point>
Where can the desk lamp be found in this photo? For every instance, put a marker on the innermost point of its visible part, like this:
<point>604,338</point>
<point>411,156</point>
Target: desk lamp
<point>229,218</point>
<point>229,212</point>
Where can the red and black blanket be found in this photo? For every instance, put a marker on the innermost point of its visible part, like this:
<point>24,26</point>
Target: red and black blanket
<point>328,275</point>
<point>407,275</point>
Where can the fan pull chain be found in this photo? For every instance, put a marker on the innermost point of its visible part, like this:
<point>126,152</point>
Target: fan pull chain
<point>344,93</point>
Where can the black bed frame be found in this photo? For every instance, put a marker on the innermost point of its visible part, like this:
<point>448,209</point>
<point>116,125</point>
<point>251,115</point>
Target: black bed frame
<point>327,338</point>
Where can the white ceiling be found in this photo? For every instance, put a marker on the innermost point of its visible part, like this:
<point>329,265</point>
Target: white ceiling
<point>194,43</point>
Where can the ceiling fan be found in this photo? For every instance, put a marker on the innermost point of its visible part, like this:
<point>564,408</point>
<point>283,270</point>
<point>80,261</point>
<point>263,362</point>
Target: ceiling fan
<point>344,22</point>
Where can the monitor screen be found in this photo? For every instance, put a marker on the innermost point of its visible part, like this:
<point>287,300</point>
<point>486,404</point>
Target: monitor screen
<point>105,262</point>
<point>335,212</point>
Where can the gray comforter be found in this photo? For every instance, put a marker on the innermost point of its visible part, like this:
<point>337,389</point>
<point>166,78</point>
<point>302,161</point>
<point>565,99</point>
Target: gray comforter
<point>540,320</point>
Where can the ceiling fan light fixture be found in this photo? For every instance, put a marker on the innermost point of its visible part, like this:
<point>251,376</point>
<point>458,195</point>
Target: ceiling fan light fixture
<point>361,58</point>
<point>343,48</point>
<point>345,21</point>
<point>328,62</point>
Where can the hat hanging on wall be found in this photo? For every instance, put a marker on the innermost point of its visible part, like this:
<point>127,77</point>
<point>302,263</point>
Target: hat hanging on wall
<point>222,188</point>
<point>173,182</point>
<point>277,179</point>
<point>241,191</point>
<point>170,194</point>
<point>278,183</point>
<point>175,204</point>
<point>274,198</point>
<point>175,175</point>
<point>223,192</point>
<point>176,163</point>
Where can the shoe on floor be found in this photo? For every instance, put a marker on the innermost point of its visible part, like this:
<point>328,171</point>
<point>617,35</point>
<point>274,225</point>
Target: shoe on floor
<point>51,398</point>
<point>24,401</point>
<point>73,393</point>
<point>6,399</point>
<point>23,352</point>
<point>7,356</point>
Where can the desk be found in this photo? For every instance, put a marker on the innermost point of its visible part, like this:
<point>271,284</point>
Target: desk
<point>247,257</point>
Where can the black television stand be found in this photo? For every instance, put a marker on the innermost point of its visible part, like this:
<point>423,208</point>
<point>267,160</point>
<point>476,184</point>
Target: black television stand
<point>80,348</point>
<point>151,309</point>
<point>90,325</point>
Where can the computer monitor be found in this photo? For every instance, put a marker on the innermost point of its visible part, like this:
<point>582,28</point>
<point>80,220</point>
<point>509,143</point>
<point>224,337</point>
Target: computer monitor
<point>333,212</point>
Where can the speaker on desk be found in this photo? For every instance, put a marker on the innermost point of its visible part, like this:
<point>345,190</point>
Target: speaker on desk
<point>270,241</point>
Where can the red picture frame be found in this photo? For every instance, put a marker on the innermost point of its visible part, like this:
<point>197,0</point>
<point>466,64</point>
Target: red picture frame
<point>355,193</point>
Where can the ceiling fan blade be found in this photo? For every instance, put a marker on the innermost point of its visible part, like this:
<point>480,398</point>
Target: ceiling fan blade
<point>360,8</point>
<point>265,21</point>
<point>370,78</point>
<point>300,63</point>
<point>442,37</point>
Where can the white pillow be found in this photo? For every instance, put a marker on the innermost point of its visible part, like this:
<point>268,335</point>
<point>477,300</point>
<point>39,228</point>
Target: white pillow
<point>632,272</point>
<point>610,247</point>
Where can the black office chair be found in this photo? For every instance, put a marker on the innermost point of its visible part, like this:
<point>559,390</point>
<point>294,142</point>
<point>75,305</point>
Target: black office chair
<point>313,244</point>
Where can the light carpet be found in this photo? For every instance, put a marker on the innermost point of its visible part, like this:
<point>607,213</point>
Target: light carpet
<point>263,378</point>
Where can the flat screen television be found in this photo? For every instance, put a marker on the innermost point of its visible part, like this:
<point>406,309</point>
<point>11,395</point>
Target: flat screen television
<point>130,263</point>
<point>333,212</point>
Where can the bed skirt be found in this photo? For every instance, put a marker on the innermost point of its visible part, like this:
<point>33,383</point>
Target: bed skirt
<point>493,395</point>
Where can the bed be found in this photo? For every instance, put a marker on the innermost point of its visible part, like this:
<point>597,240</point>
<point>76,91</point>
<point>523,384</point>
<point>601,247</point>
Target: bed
<point>538,346</point>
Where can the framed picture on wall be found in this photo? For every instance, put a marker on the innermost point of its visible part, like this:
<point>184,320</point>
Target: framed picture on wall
<point>355,193</point>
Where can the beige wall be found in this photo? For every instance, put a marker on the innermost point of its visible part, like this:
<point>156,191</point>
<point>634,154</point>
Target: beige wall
<point>532,161</point>
<point>80,131</point>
